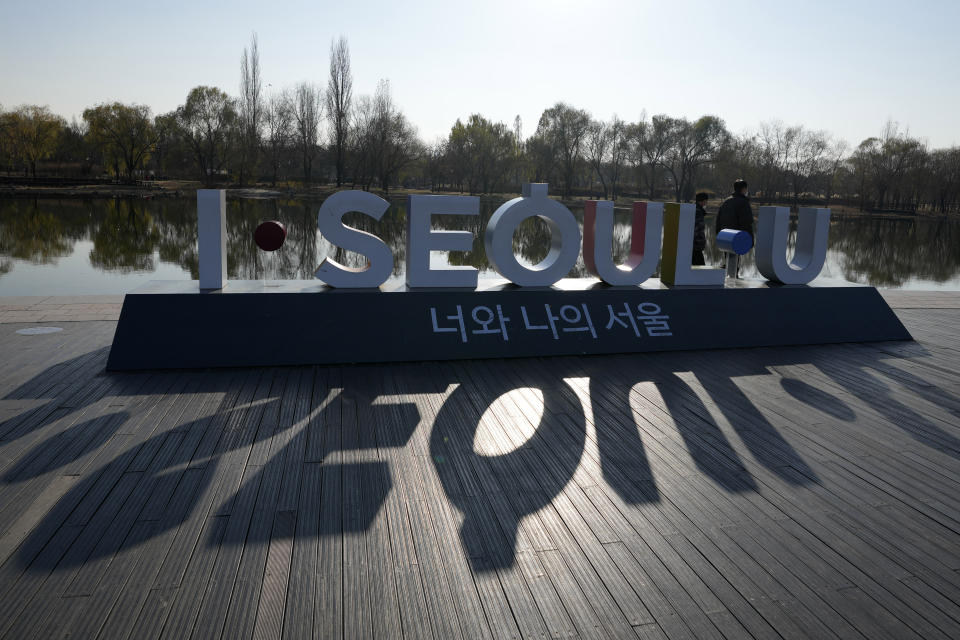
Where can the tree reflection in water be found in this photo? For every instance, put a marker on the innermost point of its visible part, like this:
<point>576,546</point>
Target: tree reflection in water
<point>136,235</point>
<point>32,233</point>
<point>125,239</point>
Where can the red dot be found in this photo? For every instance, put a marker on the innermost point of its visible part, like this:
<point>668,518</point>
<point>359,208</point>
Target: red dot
<point>270,235</point>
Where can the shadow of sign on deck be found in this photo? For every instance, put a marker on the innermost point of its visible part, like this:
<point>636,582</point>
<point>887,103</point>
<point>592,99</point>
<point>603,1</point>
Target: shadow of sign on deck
<point>306,452</point>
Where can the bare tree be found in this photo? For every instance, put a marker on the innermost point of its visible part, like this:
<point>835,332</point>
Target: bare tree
<point>207,121</point>
<point>566,128</point>
<point>339,98</point>
<point>598,143</point>
<point>307,111</point>
<point>836,155</point>
<point>651,141</point>
<point>519,151</point>
<point>883,162</point>
<point>251,108</point>
<point>738,158</point>
<point>481,152</point>
<point>436,163</point>
<point>360,142</point>
<point>382,140</point>
<point>945,171</point>
<point>459,156</point>
<point>807,158</point>
<point>394,139</point>
<point>774,139</point>
<point>542,154</point>
<point>279,130</point>
<point>694,144</point>
<point>619,148</point>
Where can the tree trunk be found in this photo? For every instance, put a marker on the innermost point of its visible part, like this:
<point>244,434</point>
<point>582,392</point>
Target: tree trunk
<point>339,163</point>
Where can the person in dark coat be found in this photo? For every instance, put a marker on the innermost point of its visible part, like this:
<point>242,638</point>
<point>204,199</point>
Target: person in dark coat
<point>699,231</point>
<point>736,213</point>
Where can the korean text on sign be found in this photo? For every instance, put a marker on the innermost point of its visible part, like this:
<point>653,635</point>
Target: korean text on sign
<point>576,317</point>
<point>488,321</point>
<point>647,313</point>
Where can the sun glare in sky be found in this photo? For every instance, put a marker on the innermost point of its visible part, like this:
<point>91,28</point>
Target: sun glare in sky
<point>843,67</point>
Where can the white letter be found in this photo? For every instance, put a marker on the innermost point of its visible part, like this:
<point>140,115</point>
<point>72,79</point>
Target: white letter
<point>330,223</point>
<point>773,227</point>
<point>564,238</point>
<point>647,224</point>
<point>676,266</point>
<point>212,237</point>
<point>421,241</point>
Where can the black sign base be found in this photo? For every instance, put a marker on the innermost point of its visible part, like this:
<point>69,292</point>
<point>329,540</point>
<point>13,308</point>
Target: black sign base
<point>174,325</point>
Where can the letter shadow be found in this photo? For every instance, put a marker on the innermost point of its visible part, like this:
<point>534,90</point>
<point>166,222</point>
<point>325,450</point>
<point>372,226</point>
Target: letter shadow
<point>875,393</point>
<point>334,496</point>
<point>66,447</point>
<point>709,448</point>
<point>764,441</point>
<point>42,384</point>
<point>624,462</point>
<point>183,474</point>
<point>291,452</point>
<point>818,399</point>
<point>496,492</point>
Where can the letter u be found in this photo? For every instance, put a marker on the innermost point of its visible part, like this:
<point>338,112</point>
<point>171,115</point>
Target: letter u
<point>773,228</point>
<point>646,227</point>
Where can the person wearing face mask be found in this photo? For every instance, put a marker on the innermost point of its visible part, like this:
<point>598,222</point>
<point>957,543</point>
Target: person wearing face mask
<point>735,212</point>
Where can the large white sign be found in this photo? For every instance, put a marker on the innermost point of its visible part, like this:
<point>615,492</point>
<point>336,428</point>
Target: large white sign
<point>661,234</point>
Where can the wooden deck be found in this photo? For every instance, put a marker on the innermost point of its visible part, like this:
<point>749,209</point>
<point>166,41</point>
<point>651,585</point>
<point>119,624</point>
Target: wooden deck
<point>803,492</point>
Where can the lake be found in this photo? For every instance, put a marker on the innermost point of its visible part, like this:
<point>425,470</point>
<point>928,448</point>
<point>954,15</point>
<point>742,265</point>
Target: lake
<point>113,245</point>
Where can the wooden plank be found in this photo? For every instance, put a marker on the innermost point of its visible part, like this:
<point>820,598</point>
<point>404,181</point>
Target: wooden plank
<point>375,484</point>
<point>299,618</point>
<point>35,512</point>
<point>27,586</point>
<point>138,596</point>
<point>207,482</point>
<point>223,581</point>
<point>293,418</point>
<point>273,594</point>
<point>34,468</point>
<point>326,512</point>
<point>705,570</point>
<point>242,614</point>
<point>479,601</point>
<point>745,610</point>
<point>91,615</point>
<point>179,614</point>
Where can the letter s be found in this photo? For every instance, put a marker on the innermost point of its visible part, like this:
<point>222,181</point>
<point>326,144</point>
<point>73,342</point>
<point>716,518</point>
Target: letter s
<point>330,224</point>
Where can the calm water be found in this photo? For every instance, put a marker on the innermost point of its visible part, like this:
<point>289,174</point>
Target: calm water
<point>58,247</point>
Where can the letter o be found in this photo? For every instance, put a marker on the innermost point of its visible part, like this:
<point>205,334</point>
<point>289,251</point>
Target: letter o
<point>564,238</point>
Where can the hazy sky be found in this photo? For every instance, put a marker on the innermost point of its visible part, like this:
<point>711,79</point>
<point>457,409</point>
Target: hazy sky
<point>846,67</point>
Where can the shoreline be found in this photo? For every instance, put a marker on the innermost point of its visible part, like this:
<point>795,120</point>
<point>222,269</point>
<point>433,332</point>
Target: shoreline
<point>185,189</point>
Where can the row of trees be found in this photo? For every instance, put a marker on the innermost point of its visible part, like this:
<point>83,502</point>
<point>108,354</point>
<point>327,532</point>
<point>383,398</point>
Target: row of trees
<point>671,158</point>
<point>326,134</point>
